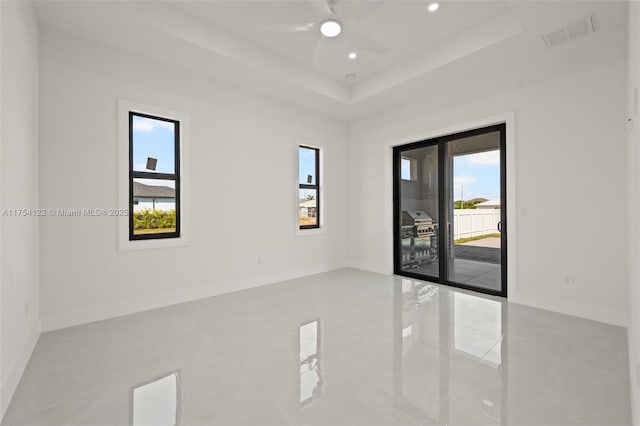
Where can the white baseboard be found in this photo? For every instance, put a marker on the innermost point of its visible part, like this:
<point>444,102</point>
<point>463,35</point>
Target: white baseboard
<point>589,312</point>
<point>15,373</point>
<point>371,267</point>
<point>99,313</point>
<point>575,309</point>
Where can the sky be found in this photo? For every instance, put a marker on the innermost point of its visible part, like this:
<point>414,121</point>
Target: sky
<point>153,138</point>
<point>477,175</point>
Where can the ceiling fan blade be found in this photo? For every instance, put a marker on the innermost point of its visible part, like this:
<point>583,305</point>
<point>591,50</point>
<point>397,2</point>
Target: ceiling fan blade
<point>364,42</point>
<point>290,28</point>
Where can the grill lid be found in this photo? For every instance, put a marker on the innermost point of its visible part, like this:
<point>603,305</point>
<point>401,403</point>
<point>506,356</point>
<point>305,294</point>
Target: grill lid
<point>409,217</point>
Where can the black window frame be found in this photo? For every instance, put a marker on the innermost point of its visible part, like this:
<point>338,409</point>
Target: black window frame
<point>175,176</point>
<point>315,186</point>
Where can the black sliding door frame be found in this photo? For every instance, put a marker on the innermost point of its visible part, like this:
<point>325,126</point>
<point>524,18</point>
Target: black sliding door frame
<point>443,208</point>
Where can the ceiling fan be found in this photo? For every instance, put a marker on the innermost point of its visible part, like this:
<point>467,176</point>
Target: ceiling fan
<point>334,21</point>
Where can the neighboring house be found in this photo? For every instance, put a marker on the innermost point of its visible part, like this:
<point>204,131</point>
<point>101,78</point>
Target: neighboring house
<point>149,197</point>
<point>491,204</point>
<point>307,208</point>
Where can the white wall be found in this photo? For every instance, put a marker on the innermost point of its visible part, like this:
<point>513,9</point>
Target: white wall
<point>569,147</point>
<point>633,253</point>
<point>242,183</point>
<point>19,189</point>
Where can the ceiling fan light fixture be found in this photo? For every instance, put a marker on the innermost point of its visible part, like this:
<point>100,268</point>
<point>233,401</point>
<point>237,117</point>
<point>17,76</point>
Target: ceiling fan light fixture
<point>330,28</point>
<point>433,7</point>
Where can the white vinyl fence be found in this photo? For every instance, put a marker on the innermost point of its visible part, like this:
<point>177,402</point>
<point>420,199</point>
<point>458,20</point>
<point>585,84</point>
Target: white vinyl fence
<point>475,222</point>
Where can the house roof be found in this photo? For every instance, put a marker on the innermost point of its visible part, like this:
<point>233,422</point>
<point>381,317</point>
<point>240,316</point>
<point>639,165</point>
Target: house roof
<point>307,203</point>
<point>490,203</point>
<point>477,200</point>
<point>141,190</point>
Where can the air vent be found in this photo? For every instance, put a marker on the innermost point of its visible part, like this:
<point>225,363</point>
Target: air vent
<point>577,29</point>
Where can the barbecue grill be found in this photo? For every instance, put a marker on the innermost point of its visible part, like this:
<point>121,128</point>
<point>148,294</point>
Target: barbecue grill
<point>419,238</point>
<point>420,221</point>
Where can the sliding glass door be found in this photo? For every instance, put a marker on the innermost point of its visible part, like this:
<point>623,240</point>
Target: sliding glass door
<point>449,210</point>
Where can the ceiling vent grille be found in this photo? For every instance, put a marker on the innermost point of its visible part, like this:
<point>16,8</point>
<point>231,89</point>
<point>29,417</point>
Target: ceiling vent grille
<point>578,29</point>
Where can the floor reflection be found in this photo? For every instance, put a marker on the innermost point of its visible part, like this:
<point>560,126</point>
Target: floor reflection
<point>449,343</point>
<point>477,324</point>
<point>310,377</point>
<point>156,403</point>
<point>341,348</point>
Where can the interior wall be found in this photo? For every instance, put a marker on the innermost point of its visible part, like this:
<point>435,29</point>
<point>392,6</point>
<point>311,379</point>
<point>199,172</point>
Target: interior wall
<point>19,293</point>
<point>633,200</point>
<point>569,184</point>
<point>242,182</point>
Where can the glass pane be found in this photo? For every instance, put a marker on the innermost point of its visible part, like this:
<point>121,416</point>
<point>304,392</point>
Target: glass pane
<point>153,145</point>
<point>419,211</point>
<point>154,206</point>
<point>474,238</point>
<point>308,207</point>
<point>307,166</point>
<point>407,169</point>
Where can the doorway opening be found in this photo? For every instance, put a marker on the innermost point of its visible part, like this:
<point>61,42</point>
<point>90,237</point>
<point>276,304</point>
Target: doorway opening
<point>450,210</point>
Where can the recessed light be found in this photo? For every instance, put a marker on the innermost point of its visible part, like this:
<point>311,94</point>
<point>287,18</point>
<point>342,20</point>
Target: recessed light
<point>351,76</point>
<point>433,7</point>
<point>330,28</point>
<point>352,55</point>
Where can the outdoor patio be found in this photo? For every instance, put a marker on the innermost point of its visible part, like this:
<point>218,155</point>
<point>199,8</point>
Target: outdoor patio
<point>475,263</point>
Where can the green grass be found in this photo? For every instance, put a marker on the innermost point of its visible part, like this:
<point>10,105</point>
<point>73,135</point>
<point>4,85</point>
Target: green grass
<point>481,237</point>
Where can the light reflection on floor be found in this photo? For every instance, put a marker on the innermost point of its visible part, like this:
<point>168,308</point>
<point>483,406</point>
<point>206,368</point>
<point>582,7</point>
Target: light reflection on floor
<point>344,347</point>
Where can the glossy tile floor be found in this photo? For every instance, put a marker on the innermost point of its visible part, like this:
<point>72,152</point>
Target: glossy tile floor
<point>341,348</point>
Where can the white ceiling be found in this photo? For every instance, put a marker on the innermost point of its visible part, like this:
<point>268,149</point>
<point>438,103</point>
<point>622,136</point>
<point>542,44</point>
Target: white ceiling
<point>404,27</point>
<point>429,54</point>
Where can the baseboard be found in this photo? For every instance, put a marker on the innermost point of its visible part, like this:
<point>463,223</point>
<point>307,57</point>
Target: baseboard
<point>371,267</point>
<point>103,312</point>
<point>577,310</point>
<point>589,312</point>
<point>15,373</point>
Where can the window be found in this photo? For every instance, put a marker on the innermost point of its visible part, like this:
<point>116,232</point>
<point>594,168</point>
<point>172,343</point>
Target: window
<point>408,168</point>
<point>154,177</point>
<point>309,187</point>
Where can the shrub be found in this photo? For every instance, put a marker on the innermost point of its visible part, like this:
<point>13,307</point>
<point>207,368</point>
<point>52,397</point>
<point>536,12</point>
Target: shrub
<point>154,219</point>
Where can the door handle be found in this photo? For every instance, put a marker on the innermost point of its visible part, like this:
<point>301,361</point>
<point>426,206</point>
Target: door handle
<point>500,226</point>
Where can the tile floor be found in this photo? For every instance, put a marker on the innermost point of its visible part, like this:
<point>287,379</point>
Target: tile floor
<point>342,348</point>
